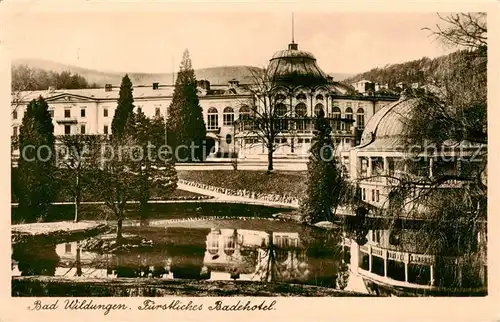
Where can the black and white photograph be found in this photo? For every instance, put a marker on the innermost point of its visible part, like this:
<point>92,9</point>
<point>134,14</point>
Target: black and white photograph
<point>271,154</point>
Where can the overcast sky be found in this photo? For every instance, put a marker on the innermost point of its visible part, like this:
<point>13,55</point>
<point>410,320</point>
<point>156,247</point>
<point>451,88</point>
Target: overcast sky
<point>141,41</point>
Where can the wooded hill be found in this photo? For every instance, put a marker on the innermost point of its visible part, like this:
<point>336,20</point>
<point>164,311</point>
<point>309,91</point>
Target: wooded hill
<point>422,71</point>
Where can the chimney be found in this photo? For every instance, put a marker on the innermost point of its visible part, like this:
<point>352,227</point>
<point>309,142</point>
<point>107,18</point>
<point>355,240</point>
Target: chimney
<point>156,86</point>
<point>108,87</point>
<point>233,83</point>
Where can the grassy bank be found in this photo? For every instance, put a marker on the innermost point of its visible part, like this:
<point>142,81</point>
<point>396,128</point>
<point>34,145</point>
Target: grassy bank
<point>157,211</point>
<point>126,287</point>
<point>41,233</point>
<point>64,195</point>
<point>280,182</point>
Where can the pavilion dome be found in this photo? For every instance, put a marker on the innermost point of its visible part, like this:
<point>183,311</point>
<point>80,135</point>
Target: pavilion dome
<point>294,67</point>
<point>385,129</point>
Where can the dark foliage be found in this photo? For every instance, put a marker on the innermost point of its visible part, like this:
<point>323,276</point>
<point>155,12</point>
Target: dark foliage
<point>324,180</point>
<point>36,168</point>
<point>186,114</point>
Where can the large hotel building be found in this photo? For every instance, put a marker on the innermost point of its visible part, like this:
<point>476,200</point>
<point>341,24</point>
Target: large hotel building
<point>297,79</point>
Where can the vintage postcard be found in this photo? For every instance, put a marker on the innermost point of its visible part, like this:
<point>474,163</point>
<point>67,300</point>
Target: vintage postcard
<point>193,161</point>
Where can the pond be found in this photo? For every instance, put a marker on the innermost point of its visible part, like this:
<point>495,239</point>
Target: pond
<point>253,250</point>
<point>378,259</point>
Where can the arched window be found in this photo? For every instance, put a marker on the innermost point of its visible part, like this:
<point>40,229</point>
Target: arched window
<point>360,120</point>
<point>229,139</point>
<point>213,119</point>
<point>228,116</point>
<point>213,243</point>
<point>244,112</point>
<point>229,245</point>
<point>319,97</point>
<point>280,109</point>
<point>336,112</point>
<point>319,107</point>
<point>301,96</point>
<point>301,109</point>
<point>336,116</point>
<point>280,97</point>
<point>348,113</point>
<point>281,112</point>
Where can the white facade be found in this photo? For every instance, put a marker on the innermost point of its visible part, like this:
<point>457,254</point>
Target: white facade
<point>91,111</point>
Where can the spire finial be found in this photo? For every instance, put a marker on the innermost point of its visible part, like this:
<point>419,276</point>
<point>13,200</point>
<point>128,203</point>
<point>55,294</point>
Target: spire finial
<point>293,45</point>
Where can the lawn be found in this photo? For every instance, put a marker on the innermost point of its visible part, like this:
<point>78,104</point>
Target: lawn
<point>64,195</point>
<point>291,183</point>
<point>125,287</point>
<point>157,211</point>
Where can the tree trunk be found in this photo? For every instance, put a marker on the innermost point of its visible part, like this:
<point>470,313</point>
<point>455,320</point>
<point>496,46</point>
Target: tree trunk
<point>119,229</point>
<point>76,210</point>
<point>78,260</point>
<point>77,198</point>
<point>270,159</point>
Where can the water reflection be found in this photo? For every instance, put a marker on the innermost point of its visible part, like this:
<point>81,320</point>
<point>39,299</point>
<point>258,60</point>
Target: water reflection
<point>255,255</point>
<point>379,261</point>
<point>406,263</point>
<point>215,254</point>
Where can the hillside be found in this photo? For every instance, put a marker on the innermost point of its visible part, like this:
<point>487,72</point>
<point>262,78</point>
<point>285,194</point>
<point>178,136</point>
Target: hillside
<point>422,71</point>
<point>216,75</point>
<point>340,76</point>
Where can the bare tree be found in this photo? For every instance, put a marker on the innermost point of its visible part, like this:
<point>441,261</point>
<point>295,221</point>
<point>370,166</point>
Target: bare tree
<point>115,182</point>
<point>443,180</point>
<point>267,115</point>
<point>23,80</point>
<point>454,115</point>
<point>468,30</point>
<point>79,154</point>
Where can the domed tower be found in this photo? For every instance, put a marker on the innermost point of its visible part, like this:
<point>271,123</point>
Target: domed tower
<point>294,67</point>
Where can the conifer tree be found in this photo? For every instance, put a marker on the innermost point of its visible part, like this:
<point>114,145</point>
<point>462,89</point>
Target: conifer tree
<point>324,181</point>
<point>124,108</point>
<point>36,167</point>
<point>186,114</point>
<point>116,182</point>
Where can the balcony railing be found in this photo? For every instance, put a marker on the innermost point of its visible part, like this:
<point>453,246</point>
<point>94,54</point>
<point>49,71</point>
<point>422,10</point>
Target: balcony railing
<point>301,125</point>
<point>67,120</point>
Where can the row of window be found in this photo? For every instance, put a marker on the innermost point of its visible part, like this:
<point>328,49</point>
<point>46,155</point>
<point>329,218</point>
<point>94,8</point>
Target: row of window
<point>319,97</point>
<point>67,129</point>
<point>374,192</point>
<point>67,112</point>
<point>227,116</point>
<point>83,129</point>
<point>281,110</point>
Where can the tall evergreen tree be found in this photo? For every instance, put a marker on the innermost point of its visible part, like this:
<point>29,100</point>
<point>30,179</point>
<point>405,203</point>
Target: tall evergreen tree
<point>36,163</point>
<point>324,181</point>
<point>116,182</point>
<point>185,112</point>
<point>124,108</point>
